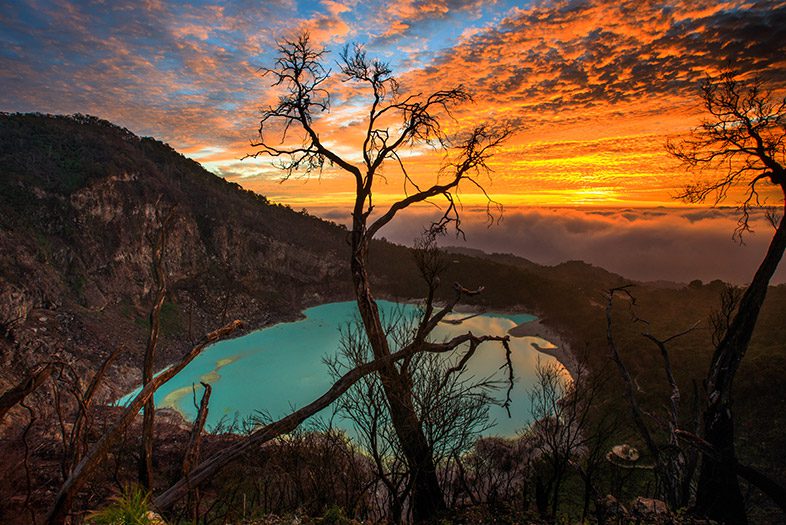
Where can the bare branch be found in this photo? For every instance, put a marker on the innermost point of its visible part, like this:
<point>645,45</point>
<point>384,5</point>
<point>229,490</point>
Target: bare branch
<point>37,376</point>
<point>299,70</point>
<point>630,391</point>
<point>741,144</point>
<point>674,410</point>
<point>98,451</point>
<point>474,152</point>
<point>85,401</point>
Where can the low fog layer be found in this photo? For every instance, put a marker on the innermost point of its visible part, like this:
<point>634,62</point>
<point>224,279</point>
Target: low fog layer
<point>643,244</point>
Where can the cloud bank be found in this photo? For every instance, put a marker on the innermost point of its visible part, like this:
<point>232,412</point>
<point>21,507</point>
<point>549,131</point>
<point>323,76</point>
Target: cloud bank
<point>643,244</point>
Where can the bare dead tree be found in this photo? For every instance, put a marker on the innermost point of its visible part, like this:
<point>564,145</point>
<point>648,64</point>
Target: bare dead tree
<point>741,144</point>
<point>159,276</point>
<point>672,469</point>
<point>394,122</point>
<point>630,389</point>
<point>679,468</point>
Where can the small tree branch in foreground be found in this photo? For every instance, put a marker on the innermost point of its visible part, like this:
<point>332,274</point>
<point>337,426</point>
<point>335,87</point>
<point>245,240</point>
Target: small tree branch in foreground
<point>94,456</point>
<point>37,376</point>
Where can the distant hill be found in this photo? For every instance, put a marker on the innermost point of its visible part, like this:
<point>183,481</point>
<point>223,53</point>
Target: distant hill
<point>503,258</point>
<point>576,270</point>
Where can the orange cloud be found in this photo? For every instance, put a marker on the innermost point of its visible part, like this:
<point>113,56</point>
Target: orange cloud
<point>593,88</point>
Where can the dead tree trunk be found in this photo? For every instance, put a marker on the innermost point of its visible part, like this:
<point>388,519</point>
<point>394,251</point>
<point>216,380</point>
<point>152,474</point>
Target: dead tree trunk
<point>718,494</point>
<point>743,139</point>
<point>671,468</point>
<point>767,485</point>
<point>194,442</point>
<point>159,273</point>
<point>192,451</point>
<point>427,499</point>
<point>301,74</point>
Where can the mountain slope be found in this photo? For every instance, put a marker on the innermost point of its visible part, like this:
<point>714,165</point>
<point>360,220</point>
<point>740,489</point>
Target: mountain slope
<point>81,201</point>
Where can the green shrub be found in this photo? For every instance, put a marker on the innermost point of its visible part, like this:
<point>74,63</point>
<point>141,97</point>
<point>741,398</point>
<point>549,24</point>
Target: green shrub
<point>130,507</point>
<point>334,515</point>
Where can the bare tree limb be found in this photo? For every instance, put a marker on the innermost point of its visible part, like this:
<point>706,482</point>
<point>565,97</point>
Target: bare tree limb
<point>212,465</point>
<point>37,376</point>
<point>96,453</point>
<point>674,411</point>
<point>78,443</point>
<point>630,391</point>
<point>159,273</point>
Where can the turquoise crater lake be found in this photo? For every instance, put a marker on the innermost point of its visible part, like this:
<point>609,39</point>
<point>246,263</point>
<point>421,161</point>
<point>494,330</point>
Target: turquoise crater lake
<point>278,368</point>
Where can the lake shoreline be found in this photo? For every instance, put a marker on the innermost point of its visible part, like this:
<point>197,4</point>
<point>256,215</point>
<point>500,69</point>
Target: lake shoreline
<point>534,328</point>
<point>288,358</point>
<point>561,351</point>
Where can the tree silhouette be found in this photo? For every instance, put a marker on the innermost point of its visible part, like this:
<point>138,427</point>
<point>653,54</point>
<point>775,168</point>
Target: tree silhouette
<point>742,144</point>
<point>394,122</point>
<point>453,408</point>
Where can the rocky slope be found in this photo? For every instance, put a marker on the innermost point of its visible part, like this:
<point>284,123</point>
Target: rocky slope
<point>83,200</point>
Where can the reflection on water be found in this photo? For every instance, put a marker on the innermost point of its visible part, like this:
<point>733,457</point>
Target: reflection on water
<point>279,368</point>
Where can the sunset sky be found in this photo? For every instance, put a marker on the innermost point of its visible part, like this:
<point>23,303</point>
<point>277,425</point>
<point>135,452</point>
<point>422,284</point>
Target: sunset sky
<point>593,88</point>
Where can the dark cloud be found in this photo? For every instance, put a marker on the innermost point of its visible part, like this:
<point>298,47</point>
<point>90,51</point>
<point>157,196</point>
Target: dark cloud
<point>582,53</point>
<point>175,70</point>
<point>592,87</point>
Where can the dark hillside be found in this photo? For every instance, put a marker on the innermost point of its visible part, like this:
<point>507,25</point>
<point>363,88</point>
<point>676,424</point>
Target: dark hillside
<point>81,201</point>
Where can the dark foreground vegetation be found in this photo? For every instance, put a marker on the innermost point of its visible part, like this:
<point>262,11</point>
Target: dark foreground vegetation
<point>84,207</point>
